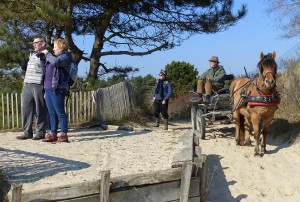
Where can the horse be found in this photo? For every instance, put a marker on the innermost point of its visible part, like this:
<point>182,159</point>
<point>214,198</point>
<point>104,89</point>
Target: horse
<point>254,102</point>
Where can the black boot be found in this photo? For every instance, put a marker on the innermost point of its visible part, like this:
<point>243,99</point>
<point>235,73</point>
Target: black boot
<point>206,99</point>
<point>157,122</point>
<point>166,124</point>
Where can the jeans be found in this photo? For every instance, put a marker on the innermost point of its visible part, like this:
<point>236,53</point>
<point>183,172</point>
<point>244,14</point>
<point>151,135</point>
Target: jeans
<point>55,100</point>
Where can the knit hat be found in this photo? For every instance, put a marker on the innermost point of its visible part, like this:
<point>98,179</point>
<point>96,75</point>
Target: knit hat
<point>214,59</point>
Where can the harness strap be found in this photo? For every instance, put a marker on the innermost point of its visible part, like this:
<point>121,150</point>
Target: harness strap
<point>263,100</point>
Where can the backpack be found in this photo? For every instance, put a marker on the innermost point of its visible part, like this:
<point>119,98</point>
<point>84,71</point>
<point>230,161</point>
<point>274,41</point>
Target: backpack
<point>73,73</point>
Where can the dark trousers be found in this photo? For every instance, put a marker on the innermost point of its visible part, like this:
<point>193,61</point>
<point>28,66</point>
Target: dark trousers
<point>160,108</point>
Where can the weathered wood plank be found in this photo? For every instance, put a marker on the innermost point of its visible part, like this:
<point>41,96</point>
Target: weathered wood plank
<point>146,178</point>
<point>197,133</point>
<point>159,192</point>
<point>186,153</point>
<point>196,140</point>
<point>104,186</point>
<point>162,192</point>
<point>92,187</point>
<point>203,179</point>
<point>16,193</point>
<point>197,166</point>
<point>185,181</point>
<point>197,151</point>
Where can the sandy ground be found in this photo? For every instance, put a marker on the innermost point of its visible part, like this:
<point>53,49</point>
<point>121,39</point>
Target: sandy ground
<point>234,174</point>
<point>40,165</point>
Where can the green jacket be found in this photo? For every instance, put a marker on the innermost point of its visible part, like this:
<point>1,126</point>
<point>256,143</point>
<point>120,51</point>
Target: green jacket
<point>217,74</point>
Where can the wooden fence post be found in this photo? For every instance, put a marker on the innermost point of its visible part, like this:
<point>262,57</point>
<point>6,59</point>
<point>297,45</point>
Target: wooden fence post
<point>16,193</point>
<point>104,186</point>
<point>203,179</point>
<point>185,181</point>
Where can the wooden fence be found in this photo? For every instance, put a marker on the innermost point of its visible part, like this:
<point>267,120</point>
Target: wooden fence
<point>105,103</point>
<point>79,108</point>
<point>184,182</point>
<point>114,102</point>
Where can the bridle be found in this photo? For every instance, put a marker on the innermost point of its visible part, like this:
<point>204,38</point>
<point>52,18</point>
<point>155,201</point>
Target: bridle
<point>267,59</point>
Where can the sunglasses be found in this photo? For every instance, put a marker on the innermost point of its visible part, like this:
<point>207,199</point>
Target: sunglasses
<point>161,75</point>
<point>36,42</point>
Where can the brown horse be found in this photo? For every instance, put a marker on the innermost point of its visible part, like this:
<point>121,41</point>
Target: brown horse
<point>255,101</point>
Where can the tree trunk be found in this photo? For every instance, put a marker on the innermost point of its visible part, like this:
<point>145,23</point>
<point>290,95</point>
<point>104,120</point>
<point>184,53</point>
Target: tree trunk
<point>94,67</point>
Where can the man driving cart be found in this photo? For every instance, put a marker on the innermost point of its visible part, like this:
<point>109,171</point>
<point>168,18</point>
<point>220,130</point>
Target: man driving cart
<point>211,80</point>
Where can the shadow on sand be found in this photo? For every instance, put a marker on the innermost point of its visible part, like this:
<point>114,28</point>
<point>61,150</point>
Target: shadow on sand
<point>217,185</point>
<point>22,166</point>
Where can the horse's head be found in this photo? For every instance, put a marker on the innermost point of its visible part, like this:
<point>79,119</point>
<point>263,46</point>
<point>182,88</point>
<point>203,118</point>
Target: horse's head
<point>268,69</point>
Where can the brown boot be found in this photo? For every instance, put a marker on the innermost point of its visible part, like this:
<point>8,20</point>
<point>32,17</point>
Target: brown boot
<point>50,138</point>
<point>63,138</point>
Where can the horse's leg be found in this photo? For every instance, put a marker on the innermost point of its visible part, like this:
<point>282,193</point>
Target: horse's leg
<point>256,128</point>
<point>236,117</point>
<point>247,132</point>
<point>246,126</point>
<point>265,133</point>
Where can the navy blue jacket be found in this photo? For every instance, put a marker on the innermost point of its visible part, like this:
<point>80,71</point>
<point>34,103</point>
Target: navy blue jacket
<point>166,93</point>
<point>62,64</point>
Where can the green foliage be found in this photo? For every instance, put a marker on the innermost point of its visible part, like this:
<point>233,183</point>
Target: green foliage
<point>183,77</point>
<point>11,83</point>
<point>134,28</point>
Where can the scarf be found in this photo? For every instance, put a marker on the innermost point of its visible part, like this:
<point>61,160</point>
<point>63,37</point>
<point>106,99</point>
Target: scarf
<point>160,88</point>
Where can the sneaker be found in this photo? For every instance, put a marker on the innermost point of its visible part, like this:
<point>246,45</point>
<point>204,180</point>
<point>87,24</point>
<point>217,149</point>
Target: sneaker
<point>50,138</point>
<point>38,137</point>
<point>63,138</point>
<point>23,137</point>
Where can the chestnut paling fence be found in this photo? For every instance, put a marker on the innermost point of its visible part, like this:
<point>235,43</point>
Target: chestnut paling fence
<point>113,102</point>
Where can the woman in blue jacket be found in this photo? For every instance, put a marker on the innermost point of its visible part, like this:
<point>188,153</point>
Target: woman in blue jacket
<point>161,95</point>
<point>56,86</point>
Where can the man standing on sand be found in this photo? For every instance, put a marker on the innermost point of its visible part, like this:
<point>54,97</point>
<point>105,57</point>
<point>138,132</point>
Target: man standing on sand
<point>33,102</point>
<point>161,95</point>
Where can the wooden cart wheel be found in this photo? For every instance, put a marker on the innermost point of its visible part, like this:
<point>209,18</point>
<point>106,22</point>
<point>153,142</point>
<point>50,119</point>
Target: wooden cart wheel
<point>200,123</point>
<point>193,117</point>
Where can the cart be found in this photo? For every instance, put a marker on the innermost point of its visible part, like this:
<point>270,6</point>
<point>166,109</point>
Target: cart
<point>206,113</point>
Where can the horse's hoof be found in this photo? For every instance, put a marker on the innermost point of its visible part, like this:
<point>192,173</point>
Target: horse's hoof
<point>256,154</point>
<point>248,143</point>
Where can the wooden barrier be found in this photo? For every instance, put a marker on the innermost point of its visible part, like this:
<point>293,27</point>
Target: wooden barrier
<point>185,183</point>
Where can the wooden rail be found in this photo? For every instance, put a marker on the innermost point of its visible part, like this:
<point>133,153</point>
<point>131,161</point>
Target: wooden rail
<point>184,183</point>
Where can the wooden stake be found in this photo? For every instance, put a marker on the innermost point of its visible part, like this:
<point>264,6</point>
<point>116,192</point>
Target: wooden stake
<point>16,193</point>
<point>104,186</point>
<point>185,181</point>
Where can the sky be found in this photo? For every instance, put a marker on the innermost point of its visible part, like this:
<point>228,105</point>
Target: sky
<point>237,47</point>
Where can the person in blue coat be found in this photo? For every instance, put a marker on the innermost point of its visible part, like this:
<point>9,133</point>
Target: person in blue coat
<point>56,85</point>
<point>161,95</point>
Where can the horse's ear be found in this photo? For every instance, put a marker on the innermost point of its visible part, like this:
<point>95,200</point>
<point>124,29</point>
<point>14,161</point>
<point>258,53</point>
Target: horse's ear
<point>261,55</point>
<point>274,55</point>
